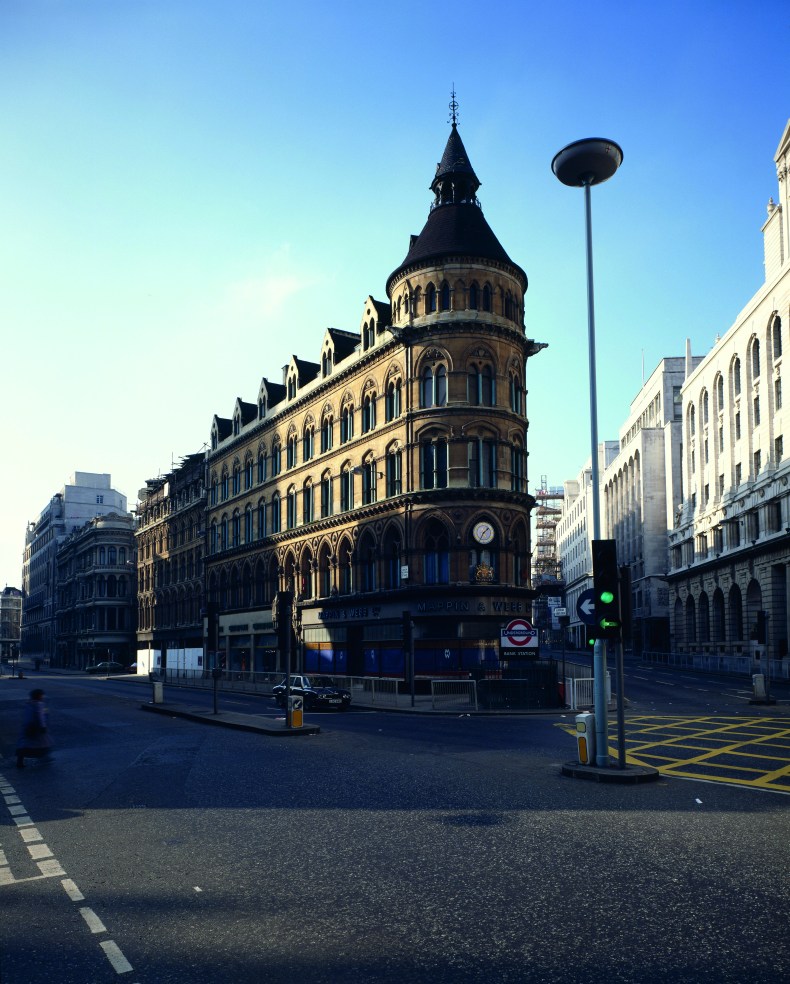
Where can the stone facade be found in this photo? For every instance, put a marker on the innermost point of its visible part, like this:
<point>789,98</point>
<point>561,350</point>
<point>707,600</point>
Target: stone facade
<point>84,496</point>
<point>170,548</point>
<point>10,622</point>
<point>730,546</point>
<point>386,483</point>
<point>95,608</point>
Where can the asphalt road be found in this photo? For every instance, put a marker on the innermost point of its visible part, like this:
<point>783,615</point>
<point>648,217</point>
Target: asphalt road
<point>390,847</point>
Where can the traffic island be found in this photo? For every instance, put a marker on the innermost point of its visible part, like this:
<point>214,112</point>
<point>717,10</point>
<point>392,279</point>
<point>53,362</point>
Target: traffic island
<point>629,775</point>
<point>230,719</point>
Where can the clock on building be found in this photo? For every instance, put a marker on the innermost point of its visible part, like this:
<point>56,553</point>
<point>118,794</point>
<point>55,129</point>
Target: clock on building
<point>483,532</point>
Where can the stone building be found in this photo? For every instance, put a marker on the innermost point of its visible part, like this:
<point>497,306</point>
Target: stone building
<point>10,622</point>
<point>84,496</point>
<point>640,493</point>
<point>95,606</point>
<point>170,544</point>
<point>730,546</point>
<point>386,482</point>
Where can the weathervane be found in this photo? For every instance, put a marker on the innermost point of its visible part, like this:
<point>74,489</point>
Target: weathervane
<point>453,107</point>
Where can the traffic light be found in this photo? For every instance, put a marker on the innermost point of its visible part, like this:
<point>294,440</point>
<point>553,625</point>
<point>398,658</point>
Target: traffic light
<point>590,635</point>
<point>606,584</point>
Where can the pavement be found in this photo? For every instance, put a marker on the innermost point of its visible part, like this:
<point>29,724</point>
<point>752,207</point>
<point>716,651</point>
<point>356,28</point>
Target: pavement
<point>240,721</point>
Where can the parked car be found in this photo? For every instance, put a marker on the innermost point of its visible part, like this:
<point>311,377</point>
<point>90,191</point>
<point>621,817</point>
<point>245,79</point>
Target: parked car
<point>109,667</point>
<point>319,693</point>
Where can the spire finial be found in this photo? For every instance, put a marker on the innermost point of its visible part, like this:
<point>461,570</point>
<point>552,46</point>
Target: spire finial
<point>453,107</point>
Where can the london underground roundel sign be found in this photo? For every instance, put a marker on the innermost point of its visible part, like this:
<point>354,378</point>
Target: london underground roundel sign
<point>519,634</point>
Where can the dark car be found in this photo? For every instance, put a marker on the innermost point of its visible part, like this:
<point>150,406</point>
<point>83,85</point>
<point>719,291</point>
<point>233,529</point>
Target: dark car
<point>319,693</point>
<point>110,667</point>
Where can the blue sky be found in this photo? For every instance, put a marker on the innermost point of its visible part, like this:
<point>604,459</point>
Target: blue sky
<point>193,190</point>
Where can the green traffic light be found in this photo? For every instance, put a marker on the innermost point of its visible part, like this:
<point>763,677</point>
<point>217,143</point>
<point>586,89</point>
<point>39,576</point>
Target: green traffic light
<point>607,597</point>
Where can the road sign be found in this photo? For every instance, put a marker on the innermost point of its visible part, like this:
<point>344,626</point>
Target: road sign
<point>519,634</point>
<point>585,607</point>
<point>560,611</point>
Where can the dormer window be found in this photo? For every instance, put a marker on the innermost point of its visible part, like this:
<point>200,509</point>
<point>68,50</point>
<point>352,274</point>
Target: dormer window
<point>261,408</point>
<point>236,425</point>
<point>291,387</point>
<point>326,363</point>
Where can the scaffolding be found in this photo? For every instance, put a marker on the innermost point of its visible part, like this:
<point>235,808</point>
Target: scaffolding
<point>546,567</point>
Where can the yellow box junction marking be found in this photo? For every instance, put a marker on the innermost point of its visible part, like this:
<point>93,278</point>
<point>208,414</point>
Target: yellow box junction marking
<point>745,751</point>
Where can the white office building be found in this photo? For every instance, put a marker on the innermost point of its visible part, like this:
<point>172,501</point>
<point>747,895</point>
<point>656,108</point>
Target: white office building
<point>729,549</point>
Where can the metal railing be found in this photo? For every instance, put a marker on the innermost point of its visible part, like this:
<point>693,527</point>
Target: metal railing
<point>712,663</point>
<point>580,692</point>
<point>454,694</point>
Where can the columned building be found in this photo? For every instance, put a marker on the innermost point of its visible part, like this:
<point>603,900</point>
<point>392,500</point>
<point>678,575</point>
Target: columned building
<point>385,484</point>
<point>170,546</point>
<point>729,550</point>
<point>641,490</point>
<point>95,608</point>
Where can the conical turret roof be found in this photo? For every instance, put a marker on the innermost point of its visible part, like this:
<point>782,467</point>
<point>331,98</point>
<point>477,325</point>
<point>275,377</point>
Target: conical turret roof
<point>456,225</point>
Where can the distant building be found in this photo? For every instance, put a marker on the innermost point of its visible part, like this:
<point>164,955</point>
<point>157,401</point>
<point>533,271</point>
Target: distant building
<point>729,549</point>
<point>84,497</point>
<point>641,489</point>
<point>10,622</point>
<point>171,514</point>
<point>95,609</point>
<point>574,537</point>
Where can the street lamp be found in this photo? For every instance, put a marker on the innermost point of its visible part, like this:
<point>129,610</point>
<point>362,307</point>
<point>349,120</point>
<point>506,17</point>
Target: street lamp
<point>583,164</point>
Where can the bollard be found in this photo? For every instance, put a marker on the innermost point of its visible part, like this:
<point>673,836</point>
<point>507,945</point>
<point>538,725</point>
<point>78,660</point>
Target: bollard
<point>758,686</point>
<point>585,738</point>
<point>158,692</point>
<point>296,704</point>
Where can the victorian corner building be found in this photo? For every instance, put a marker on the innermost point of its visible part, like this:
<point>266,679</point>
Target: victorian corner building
<point>385,483</point>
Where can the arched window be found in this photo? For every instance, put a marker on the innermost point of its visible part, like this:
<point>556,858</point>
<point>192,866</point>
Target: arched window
<point>776,336</point>
<point>430,299</point>
<point>486,297</point>
<point>344,572</point>
<point>705,408</point>
<point>261,520</point>
<point>474,299</point>
<point>224,486</point>
<point>436,553</point>
<point>392,408</point>
<point>291,451</point>
<point>516,394</point>
<point>248,473</point>
<point>368,483</point>
<point>692,422</point>
<point>236,479</point>
<point>236,528</point>
<point>482,463</point>
<point>756,358</point>
<point>275,511</point>
<point>346,424</point>
<point>433,387</point>
<point>390,555</point>
<point>433,464</point>
<point>307,502</point>
<point>248,524</point>
<point>326,433</point>
<point>261,467</point>
<point>277,459</point>
<point>368,412</point>
<point>290,511</point>
<point>719,393</point>
<point>393,466</point>
<point>444,297</point>
<point>326,495</point>
<point>325,571</point>
<point>308,442</point>
<point>736,377</point>
<point>346,488</point>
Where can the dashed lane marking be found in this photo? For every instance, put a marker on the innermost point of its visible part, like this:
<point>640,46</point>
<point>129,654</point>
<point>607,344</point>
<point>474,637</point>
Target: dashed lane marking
<point>118,961</point>
<point>95,925</point>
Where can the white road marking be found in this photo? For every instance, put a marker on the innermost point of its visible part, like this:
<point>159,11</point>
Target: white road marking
<point>95,925</point>
<point>38,851</point>
<point>72,891</point>
<point>50,868</point>
<point>113,952</point>
<point>23,821</point>
<point>198,888</point>
<point>6,878</point>
<point>15,811</point>
<point>31,834</point>
<point>10,799</point>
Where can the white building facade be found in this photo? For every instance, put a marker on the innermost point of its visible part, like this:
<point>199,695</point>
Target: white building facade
<point>729,549</point>
<point>574,538</point>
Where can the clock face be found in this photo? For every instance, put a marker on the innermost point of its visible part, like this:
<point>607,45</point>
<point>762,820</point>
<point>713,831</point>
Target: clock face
<point>483,532</point>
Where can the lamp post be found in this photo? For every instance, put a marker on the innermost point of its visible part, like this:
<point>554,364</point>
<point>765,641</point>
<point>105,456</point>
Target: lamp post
<point>583,164</point>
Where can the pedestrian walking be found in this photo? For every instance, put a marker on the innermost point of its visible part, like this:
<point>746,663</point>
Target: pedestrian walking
<point>34,740</point>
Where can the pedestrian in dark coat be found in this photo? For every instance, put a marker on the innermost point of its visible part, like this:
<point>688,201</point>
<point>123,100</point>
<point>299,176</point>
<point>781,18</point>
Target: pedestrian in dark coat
<point>34,740</point>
